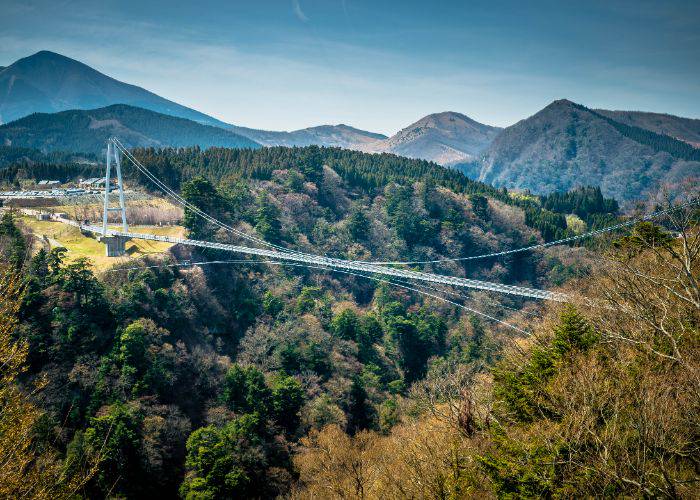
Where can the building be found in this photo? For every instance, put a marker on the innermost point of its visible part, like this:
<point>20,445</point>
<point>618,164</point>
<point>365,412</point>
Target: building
<point>48,184</point>
<point>92,182</point>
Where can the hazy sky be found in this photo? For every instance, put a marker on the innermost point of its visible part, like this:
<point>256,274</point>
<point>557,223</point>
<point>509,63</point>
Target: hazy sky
<point>375,64</point>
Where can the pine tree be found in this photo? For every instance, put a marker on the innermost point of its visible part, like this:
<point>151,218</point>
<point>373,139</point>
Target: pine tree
<point>267,222</point>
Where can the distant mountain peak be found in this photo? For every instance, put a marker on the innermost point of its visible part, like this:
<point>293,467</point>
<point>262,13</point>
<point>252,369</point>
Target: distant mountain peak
<point>446,137</point>
<point>561,103</point>
<point>49,54</point>
<point>46,57</point>
<point>48,82</point>
<point>449,120</point>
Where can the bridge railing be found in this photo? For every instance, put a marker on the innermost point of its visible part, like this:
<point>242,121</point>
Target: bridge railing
<point>344,264</point>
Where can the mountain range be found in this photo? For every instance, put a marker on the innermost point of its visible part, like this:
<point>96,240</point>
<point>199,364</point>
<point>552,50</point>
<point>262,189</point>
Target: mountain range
<point>88,131</point>
<point>627,153</point>
<point>342,136</point>
<point>48,82</point>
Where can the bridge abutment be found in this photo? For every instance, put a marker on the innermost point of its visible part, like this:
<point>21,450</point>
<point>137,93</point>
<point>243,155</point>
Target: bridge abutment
<point>114,245</point>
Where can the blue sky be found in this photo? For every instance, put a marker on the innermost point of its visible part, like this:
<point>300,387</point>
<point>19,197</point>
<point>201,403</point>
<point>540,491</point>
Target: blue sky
<point>376,65</point>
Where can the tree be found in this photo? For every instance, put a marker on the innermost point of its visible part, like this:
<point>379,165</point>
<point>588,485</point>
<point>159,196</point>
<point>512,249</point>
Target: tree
<point>267,222</point>
<point>307,299</point>
<point>358,225</point>
<point>370,332</point>
<point>233,461</point>
<point>522,391</point>
<point>311,163</point>
<point>346,325</point>
<point>287,399</point>
<point>332,463</point>
<point>480,206</point>
<point>359,410</point>
<point>416,337</point>
<point>115,435</point>
<point>137,355</point>
<point>30,468</point>
<point>272,304</point>
<point>201,193</point>
<point>13,247</point>
<point>476,343</point>
<point>245,390</point>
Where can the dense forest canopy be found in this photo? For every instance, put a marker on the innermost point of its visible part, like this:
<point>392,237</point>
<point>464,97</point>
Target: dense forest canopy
<point>368,174</point>
<point>253,380</point>
<point>89,130</point>
<point>18,156</point>
<point>363,174</point>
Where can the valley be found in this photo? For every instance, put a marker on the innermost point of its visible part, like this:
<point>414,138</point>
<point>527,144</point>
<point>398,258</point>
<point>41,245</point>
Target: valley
<point>456,310</point>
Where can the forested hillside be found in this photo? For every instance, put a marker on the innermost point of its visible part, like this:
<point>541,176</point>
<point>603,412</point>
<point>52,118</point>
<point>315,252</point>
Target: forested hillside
<point>684,129</point>
<point>87,131</point>
<point>566,145</point>
<point>370,174</point>
<point>201,380</point>
<point>602,401</point>
<point>19,156</point>
<point>249,380</point>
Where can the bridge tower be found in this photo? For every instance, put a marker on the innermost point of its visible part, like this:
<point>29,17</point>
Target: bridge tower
<point>115,244</point>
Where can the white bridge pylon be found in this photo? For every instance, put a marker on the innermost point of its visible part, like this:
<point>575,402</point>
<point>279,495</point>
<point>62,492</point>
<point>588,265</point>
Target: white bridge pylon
<point>114,245</point>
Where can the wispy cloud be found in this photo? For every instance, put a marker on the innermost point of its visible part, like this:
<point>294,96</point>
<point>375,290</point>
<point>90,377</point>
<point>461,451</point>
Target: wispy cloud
<point>299,74</point>
<point>296,7</point>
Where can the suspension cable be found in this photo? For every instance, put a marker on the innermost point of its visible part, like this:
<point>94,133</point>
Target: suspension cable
<point>397,283</point>
<point>261,241</point>
<point>180,200</point>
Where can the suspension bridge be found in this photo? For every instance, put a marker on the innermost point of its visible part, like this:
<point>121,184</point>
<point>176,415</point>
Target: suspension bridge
<point>115,240</point>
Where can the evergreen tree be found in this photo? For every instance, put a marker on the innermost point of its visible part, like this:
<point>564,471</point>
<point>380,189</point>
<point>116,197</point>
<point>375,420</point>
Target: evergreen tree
<point>201,193</point>
<point>358,225</point>
<point>359,411</point>
<point>13,248</point>
<point>267,222</point>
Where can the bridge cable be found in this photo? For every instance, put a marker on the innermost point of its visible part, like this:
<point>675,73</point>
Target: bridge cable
<point>330,269</point>
<point>242,234</point>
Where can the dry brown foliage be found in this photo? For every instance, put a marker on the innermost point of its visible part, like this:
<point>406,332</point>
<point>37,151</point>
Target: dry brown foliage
<point>621,419</point>
<point>26,469</point>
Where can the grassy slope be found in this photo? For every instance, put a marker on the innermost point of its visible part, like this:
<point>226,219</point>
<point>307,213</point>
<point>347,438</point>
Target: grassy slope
<point>79,245</point>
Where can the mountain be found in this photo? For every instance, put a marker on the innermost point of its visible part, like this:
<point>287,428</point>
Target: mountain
<point>47,82</point>
<point>567,145</point>
<point>342,136</point>
<point>88,130</point>
<point>683,129</point>
<point>446,138</point>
